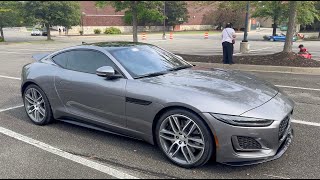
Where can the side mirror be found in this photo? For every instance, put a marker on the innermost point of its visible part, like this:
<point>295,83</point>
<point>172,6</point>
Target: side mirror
<point>108,72</point>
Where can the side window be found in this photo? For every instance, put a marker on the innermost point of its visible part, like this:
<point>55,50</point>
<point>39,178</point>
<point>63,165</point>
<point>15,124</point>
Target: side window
<point>88,61</point>
<point>61,59</point>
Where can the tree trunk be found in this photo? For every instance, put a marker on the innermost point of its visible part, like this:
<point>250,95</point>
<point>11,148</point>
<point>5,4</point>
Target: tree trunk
<point>291,26</point>
<point>135,21</point>
<point>48,32</point>
<point>2,36</point>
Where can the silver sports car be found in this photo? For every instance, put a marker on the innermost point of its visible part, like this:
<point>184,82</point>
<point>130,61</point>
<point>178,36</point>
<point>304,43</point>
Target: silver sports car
<point>142,91</point>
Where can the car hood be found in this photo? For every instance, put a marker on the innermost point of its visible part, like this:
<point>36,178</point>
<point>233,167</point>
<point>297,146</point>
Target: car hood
<point>233,89</point>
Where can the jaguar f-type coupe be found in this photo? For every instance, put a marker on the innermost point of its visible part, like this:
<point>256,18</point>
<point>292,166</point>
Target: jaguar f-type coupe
<point>139,90</point>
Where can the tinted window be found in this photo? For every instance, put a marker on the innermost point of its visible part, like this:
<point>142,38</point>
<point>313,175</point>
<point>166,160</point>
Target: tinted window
<point>140,60</point>
<point>61,59</point>
<point>88,61</point>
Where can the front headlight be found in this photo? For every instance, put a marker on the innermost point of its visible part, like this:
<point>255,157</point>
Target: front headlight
<point>242,121</point>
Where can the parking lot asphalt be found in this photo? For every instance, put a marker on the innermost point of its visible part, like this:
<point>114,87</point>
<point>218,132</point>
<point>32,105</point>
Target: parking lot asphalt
<point>137,158</point>
<point>181,43</point>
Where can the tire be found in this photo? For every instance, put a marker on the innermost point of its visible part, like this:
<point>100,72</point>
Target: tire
<point>36,105</point>
<point>177,148</point>
<point>271,39</point>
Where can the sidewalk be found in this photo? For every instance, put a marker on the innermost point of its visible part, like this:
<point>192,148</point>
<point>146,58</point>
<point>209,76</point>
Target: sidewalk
<point>262,68</point>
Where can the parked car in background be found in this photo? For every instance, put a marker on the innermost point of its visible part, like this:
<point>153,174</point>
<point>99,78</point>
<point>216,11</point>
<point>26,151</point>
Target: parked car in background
<point>36,32</point>
<point>281,37</point>
<point>44,32</point>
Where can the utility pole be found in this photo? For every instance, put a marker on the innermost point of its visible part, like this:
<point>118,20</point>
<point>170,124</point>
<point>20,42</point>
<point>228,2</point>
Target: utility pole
<point>82,14</point>
<point>164,21</point>
<point>245,37</point>
<point>244,45</point>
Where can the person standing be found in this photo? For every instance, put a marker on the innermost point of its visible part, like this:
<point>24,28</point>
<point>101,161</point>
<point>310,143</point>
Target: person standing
<point>228,39</point>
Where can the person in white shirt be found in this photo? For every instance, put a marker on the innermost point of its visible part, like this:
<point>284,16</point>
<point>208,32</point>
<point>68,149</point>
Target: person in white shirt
<point>228,38</point>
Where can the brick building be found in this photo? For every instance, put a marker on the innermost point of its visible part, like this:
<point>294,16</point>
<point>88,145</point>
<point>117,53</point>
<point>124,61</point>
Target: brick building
<point>96,18</point>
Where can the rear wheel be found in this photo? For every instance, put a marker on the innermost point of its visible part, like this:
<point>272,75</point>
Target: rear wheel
<point>37,105</point>
<point>184,138</point>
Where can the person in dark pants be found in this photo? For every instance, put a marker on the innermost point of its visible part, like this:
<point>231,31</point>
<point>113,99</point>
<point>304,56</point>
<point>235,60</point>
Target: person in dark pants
<point>228,39</point>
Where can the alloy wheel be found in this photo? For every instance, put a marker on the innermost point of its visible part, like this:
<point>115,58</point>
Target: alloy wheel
<point>181,139</point>
<point>35,105</point>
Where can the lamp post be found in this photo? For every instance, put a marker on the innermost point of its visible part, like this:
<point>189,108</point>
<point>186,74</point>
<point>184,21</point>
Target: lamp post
<point>82,14</point>
<point>244,45</point>
<point>245,37</point>
<point>164,21</point>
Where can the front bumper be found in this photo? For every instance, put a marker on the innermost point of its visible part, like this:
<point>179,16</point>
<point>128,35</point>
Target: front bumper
<point>282,149</point>
<point>272,146</point>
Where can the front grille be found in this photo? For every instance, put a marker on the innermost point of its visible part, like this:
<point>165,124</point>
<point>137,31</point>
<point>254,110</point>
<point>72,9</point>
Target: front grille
<point>248,143</point>
<point>283,126</point>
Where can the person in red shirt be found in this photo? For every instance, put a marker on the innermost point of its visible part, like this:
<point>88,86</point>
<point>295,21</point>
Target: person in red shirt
<point>303,52</point>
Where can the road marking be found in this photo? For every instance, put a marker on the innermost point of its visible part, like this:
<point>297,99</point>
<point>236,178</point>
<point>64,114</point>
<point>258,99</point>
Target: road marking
<point>278,177</point>
<point>42,49</point>
<point>91,164</point>
<point>306,123</point>
<point>299,73</point>
<point>292,87</point>
<point>8,77</point>
<point>15,107</point>
<point>16,53</point>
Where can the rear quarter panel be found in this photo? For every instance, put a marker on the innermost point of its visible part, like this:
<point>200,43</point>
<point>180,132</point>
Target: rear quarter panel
<point>42,74</point>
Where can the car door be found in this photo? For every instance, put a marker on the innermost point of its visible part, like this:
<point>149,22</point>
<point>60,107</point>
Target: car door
<point>86,95</point>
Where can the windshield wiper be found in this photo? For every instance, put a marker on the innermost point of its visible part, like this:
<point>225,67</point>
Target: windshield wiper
<point>181,67</point>
<point>152,75</point>
<point>163,72</point>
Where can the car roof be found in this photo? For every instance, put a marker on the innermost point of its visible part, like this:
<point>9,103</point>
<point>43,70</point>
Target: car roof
<point>115,44</point>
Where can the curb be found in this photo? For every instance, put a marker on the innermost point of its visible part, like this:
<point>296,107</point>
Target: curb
<point>262,68</point>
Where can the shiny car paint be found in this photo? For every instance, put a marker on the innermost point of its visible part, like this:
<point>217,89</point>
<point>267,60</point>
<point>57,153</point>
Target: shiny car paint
<point>131,106</point>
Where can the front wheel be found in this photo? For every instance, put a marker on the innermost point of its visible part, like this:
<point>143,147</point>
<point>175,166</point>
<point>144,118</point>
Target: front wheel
<point>184,138</point>
<point>37,105</point>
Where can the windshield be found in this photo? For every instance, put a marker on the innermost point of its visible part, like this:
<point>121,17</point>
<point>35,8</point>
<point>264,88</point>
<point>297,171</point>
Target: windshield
<point>144,60</point>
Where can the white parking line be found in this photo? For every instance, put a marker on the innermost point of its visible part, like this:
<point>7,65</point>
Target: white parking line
<point>20,53</point>
<point>15,107</point>
<point>278,177</point>
<point>91,164</point>
<point>8,77</point>
<point>29,50</point>
<point>292,87</point>
<point>306,123</point>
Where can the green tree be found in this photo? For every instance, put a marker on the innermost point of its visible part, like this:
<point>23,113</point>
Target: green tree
<point>143,10</point>
<point>278,11</point>
<point>317,5</point>
<point>148,14</point>
<point>10,15</point>
<point>53,13</point>
<point>307,12</point>
<point>270,9</point>
<point>291,26</point>
<point>225,12</point>
<point>176,12</point>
